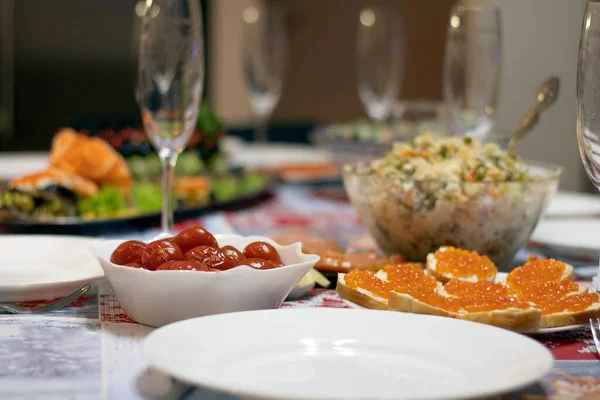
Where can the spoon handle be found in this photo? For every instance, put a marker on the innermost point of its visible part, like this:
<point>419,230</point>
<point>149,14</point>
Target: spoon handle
<point>525,125</point>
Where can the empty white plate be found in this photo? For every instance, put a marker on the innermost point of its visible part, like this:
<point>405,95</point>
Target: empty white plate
<point>44,267</point>
<point>571,203</point>
<point>576,238</point>
<point>346,354</point>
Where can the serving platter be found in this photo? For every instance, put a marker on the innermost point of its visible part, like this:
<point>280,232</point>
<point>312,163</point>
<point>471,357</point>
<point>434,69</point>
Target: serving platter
<point>95,227</point>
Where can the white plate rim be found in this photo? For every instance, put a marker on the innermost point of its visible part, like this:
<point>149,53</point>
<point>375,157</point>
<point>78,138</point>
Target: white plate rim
<point>14,289</point>
<point>147,344</point>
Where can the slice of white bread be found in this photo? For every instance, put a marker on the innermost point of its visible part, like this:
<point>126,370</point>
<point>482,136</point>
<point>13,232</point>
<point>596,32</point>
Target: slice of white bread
<point>571,317</point>
<point>511,318</point>
<point>431,266</point>
<point>359,296</point>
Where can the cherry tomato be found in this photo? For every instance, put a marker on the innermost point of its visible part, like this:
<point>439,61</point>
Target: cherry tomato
<point>128,252</point>
<point>187,265</point>
<point>258,263</point>
<point>233,253</point>
<point>159,252</point>
<point>194,237</point>
<point>135,265</point>
<point>262,250</point>
<point>214,258</point>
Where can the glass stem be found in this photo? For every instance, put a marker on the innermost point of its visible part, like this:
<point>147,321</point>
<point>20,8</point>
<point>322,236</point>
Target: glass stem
<point>168,159</point>
<point>261,134</point>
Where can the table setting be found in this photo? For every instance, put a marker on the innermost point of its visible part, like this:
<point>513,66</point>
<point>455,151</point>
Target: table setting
<point>422,259</point>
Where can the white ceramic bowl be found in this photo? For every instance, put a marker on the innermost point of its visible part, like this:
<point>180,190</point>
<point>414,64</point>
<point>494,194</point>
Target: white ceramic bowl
<point>157,298</point>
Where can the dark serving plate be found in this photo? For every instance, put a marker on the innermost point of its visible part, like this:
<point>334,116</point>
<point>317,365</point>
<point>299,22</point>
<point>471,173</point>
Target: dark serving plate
<point>106,226</point>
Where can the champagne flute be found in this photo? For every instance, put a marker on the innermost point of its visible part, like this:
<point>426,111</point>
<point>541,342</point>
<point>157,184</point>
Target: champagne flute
<point>264,60</point>
<point>472,68</point>
<point>588,93</point>
<point>379,61</point>
<point>170,84</point>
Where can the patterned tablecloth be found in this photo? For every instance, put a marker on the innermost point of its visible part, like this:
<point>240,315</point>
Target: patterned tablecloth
<point>91,349</point>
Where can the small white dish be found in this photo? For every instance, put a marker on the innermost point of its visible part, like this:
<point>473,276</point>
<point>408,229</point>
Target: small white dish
<point>45,267</point>
<point>157,298</point>
<point>300,291</point>
<point>325,354</point>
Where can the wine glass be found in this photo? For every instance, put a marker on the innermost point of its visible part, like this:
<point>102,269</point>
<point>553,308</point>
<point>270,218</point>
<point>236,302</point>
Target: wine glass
<point>170,84</point>
<point>264,60</point>
<point>588,93</point>
<point>472,67</point>
<point>379,61</point>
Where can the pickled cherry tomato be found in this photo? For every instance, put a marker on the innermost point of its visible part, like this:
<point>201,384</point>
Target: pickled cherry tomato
<point>213,257</point>
<point>135,265</point>
<point>159,252</point>
<point>194,237</point>
<point>128,252</point>
<point>187,265</point>
<point>262,250</point>
<point>233,253</point>
<point>258,263</point>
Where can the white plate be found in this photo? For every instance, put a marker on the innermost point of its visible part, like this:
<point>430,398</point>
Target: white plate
<point>13,165</point>
<point>346,354</point>
<point>577,238</point>
<point>43,267</point>
<point>272,155</point>
<point>571,203</point>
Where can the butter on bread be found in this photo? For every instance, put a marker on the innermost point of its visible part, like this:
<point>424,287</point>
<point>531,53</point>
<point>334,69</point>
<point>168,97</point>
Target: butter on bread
<point>432,267</point>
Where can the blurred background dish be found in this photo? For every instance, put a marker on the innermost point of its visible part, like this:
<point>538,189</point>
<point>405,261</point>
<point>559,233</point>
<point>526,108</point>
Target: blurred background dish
<point>17,164</point>
<point>472,67</point>
<point>351,142</point>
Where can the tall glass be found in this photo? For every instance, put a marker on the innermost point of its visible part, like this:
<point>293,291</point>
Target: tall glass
<point>264,60</point>
<point>379,61</point>
<point>472,69</point>
<point>588,93</point>
<point>171,76</point>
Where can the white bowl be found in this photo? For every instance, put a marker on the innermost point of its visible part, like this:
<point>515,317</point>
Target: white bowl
<point>157,298</point>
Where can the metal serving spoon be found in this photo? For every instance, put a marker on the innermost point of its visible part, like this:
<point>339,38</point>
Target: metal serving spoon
<point>546,96</point>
